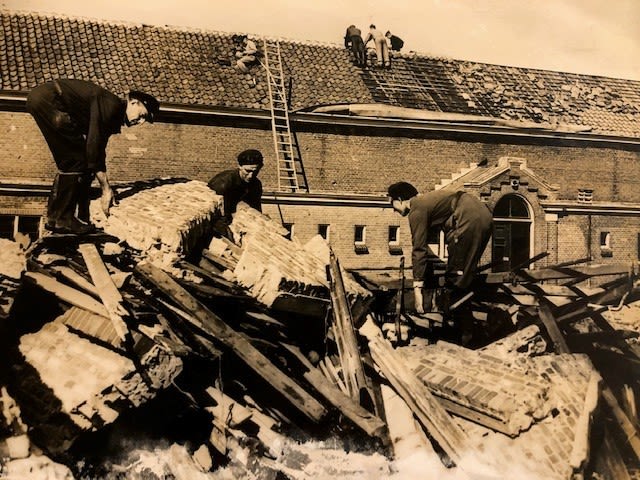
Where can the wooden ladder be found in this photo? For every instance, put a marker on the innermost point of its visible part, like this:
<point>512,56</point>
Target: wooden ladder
<point>291,176</point>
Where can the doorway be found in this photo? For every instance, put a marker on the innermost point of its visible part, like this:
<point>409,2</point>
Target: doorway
<point>511,233</point>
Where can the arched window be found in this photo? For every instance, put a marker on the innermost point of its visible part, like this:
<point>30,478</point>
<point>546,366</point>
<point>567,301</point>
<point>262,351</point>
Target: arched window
<point>511,232</point>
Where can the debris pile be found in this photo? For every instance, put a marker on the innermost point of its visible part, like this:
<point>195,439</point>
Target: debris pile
<point>262,358</point>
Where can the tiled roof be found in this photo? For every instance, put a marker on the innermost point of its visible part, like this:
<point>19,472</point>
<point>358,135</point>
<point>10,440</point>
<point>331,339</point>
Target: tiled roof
<point>192,67</point>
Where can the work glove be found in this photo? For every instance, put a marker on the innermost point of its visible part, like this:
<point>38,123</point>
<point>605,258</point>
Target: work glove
<point>417,295</point>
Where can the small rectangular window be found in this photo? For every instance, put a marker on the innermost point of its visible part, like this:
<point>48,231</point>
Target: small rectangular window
<point>394,240</point>
<point>7,223</point>
<point>289,227</point>
<point>359,239</point>
<point>605,244</point>
<point>29,225</point>
<point>394,234</point>
<point>323,231</point>
<point>585,195</point>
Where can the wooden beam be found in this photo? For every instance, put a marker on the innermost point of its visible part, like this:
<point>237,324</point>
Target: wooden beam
<point>427,409</point>
<point>202,318</point>
<point>67,294</point>
<point>107,291</point>
<point>367,421</point>
<point>344,333</point>
<point>552,328</point>
<point>541,274</point>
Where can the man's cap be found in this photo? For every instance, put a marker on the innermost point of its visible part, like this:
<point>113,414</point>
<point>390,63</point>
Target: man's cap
<point>151,104</point>
<point>402,191</point>
<point>250,157</point>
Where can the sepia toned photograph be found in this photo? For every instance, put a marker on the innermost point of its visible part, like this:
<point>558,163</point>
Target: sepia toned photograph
<point>289,240</point>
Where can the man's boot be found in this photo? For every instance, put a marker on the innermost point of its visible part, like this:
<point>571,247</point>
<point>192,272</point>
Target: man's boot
<point>68,191</point>
<point>84,199</point>
<point>54,207</point>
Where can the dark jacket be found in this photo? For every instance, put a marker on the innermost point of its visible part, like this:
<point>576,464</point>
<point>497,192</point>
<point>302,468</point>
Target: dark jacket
<point>467,225</point>
<point>396,43</point>
<point>351,32</point>
<point>76,118</point>
<point>235,190</point>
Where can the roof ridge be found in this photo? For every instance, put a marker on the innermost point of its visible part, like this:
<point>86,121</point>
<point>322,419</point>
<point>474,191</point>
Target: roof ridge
<point>337,45</point>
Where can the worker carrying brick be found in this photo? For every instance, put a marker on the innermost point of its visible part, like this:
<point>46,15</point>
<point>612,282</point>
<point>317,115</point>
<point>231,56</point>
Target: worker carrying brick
<point>353,40</point>
<point>76,118</point>
<point>466,223</point>
<point>238,185</point>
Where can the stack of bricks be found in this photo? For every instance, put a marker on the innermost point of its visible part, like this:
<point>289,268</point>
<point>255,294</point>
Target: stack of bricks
<point>483,384</point>
<point>511,377</point>
<point>556,448</point>
<point>84,385</point>
<point>12,263</point>
<point>271,265</point>
<point>165,222</point>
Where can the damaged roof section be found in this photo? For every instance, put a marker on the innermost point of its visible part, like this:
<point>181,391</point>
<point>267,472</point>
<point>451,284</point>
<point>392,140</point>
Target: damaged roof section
<point>193,67</point>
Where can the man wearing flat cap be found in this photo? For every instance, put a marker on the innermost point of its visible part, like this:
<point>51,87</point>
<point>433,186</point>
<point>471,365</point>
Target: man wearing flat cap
<point>76,118</point>
<point>238,185</point>
<point>466,223</point>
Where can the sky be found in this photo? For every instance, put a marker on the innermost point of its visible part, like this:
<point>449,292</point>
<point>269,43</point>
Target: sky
<point>596,37</point>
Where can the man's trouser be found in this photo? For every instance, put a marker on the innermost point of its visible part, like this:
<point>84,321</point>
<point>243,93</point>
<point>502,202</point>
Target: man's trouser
<point>70,190</point>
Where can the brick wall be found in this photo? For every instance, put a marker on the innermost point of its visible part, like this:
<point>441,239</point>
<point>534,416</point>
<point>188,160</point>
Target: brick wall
<point>344,160</point>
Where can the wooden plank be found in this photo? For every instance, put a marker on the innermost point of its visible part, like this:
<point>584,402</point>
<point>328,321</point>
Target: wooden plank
<point>552,274</point>
<point>107,290</point>
<point>78,280</point>
<point>427,409</point>
<point>552,329</point>
<point>67,294</point>
<point>368,422</point>
<point>218,260</point>
<point>202,318</point>
<point>628,428</point>
<point>344,333</point>
<point>609,463</point>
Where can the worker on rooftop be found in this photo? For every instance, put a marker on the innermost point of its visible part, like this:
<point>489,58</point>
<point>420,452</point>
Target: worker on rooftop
<point>353,39</point>
<point>396,42</point>
<point>76,118</point>
<point>238,185</point>
<point>466,223</point>
<point>246,51</point>
<point>380,42</point>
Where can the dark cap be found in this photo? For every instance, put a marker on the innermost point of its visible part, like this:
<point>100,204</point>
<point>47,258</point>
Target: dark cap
<point>250,157</point>
<point>151,104</point>
<point>402,191</point>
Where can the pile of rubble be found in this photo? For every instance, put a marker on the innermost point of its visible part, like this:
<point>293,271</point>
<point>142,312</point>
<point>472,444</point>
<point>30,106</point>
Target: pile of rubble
<point>154,350</point>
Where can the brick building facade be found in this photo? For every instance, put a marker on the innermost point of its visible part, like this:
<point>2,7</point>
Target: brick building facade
<point>573,192</point>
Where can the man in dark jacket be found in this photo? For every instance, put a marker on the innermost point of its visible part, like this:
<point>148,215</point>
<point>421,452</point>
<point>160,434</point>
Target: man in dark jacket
<point>396,42</point>
<point>353,38</point>
<point>465,221</point>
<point>238,185</point>
<point>77,118</point>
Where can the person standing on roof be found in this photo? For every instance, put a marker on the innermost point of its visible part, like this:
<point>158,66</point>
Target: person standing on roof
<point>396,42</point>
<point>466,222</point>
<point>353,39</point>
<point>76,118</point>
<point>380,41</point>
<point>238,185</point>
<point>246,51</point>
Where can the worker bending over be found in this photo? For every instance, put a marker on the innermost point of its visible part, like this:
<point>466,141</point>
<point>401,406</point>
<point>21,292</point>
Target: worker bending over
<point>466,223</point>
<point>77,118</point>
<point>238,185</point>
